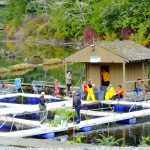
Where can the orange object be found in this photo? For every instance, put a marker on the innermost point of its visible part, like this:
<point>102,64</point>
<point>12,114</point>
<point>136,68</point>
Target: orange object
<point>119,90</point>
<point>56,87</point>
<point>84,87</point>
<point>105,76</point>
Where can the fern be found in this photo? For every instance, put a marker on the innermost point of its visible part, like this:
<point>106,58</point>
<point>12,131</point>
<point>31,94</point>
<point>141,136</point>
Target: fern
<point>110,141</point>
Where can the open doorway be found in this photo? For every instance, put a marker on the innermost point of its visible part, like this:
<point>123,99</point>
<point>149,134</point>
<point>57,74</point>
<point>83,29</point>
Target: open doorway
<point>104,76</point>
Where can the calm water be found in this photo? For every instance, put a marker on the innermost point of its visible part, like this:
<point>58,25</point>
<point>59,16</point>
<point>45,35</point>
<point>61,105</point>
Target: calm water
<point>130,134</point>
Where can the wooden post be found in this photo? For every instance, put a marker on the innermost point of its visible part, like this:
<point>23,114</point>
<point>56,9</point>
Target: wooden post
<point>65,69</point>
<point>124,76</point>
<point>65,76</point>
<point>86,77</point>
<point>143,70</point>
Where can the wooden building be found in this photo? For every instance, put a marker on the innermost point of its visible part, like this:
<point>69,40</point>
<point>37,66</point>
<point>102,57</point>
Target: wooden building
<point>126,61</point>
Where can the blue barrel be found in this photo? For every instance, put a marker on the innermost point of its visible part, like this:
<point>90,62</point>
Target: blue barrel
<point>7,127</point>
<point>8,100</point>
<point>118,108</point>
<point>32,100</point>
<point>3,100</point>
<point>126,108</point>
<point>54,100</point>
<point>49,135</point>
<point>128,121</point>
<point>11,100</point>
<point>86,129</point>
<point>45,136</point>
<point>95,117</point>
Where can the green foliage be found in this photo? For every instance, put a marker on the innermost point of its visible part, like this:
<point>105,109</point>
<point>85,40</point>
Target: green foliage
<point>77,139</point>
<point>109,141</point>
<point>62,114</point>
<point>145,141</point>
<point>15,10</point>
<point>4,62</point>
<point>1,38</point>
<point>67,19</point>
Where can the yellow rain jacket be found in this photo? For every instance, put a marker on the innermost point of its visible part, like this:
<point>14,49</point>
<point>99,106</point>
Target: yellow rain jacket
<point>109,93</point>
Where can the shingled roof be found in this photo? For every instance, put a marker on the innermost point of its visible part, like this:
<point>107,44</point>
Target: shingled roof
<point>126,49</point>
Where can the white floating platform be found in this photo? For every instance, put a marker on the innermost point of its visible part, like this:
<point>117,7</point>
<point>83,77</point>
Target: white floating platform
<point>43,129</point>
<point>145,104</point>
<point>47,129</point>
<point>21,121</point>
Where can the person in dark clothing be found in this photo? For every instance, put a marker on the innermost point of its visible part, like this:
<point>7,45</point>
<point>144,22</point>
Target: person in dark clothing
<point>77,104</point>
<point>42,107</point>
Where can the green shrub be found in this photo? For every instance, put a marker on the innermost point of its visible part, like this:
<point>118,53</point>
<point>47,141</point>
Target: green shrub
<point>109,141</point>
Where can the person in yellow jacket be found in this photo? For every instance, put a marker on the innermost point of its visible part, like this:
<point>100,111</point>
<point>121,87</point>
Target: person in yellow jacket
<point>109,92</point>
<point>105,78</point>
<point>90,92</point>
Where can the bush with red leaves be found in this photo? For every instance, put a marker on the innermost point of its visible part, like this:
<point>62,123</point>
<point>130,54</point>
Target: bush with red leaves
<point>89,35</point>
<point>126,33</point>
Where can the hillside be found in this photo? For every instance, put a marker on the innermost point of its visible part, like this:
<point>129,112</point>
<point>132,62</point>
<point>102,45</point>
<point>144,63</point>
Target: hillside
<point>75,22</point>
<point>35,30</point>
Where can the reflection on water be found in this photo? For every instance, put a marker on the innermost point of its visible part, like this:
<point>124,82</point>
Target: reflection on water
<point>47,67</point>
<point>20,72</point>
<point>131,135</point>
<point>24,71</point>
<point>26,51</point>
<point>14,73</point>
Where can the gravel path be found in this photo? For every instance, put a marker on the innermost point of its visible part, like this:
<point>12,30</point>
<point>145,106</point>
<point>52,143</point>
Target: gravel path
<point>75,148</point>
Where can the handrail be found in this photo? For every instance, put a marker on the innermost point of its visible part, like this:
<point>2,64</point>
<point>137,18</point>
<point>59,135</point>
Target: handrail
<point>137,80</point>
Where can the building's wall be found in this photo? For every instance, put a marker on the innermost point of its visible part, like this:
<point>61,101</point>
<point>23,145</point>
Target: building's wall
<point>93,73</point>
<point>115,71</point>
<point>116,74</point>
<point>133,72</point>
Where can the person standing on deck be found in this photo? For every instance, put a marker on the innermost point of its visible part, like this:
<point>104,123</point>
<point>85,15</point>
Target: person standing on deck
<point>105,78</point>
<point>56,89</point>
<point>84,90</point>
<point>77,103</point>
<point>68,81</point>
<point>42,107</point>
<point>90,92</point>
